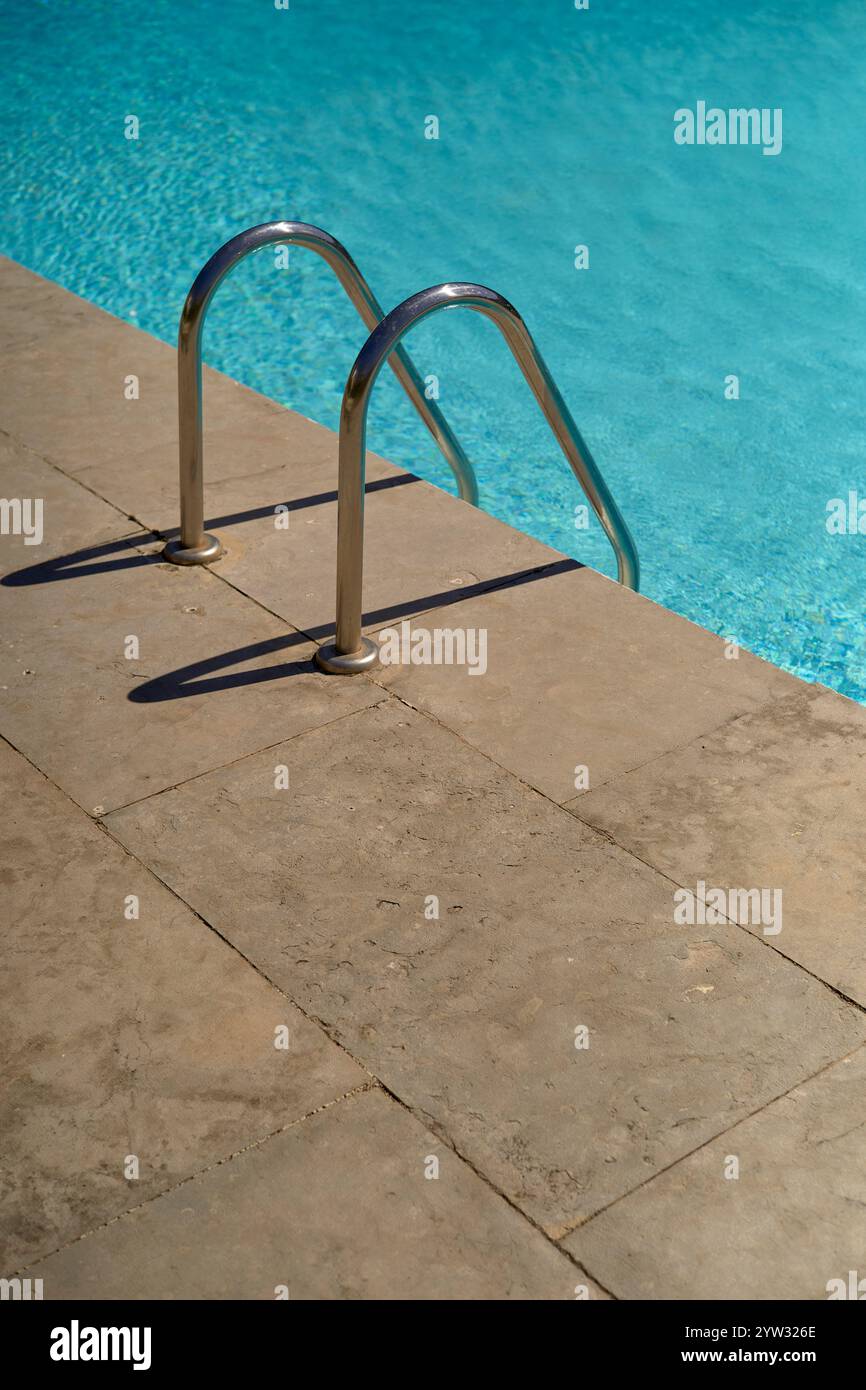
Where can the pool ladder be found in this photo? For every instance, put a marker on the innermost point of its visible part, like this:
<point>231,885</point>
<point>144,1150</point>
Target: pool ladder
<point>351,651</point>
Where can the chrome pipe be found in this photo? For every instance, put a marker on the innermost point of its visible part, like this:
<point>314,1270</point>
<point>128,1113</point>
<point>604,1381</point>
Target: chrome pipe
<point>195,547</point>
<point>351,651</point>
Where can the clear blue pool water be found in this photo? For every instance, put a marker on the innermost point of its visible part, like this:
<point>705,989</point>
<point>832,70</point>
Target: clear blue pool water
<point>556,129</point>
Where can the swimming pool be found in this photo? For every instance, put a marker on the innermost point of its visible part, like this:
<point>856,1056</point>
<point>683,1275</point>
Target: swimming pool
<point>556,130</point>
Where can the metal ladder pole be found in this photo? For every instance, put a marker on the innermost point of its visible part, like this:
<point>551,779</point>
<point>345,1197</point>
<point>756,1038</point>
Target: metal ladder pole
<point>195,547</point>
<point>351,651</point>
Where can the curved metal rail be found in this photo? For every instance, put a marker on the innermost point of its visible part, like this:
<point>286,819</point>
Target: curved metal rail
<point>195,547</point>
<point>351,651</point>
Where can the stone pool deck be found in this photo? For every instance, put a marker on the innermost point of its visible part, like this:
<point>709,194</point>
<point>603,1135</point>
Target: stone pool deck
<point>172,912</point>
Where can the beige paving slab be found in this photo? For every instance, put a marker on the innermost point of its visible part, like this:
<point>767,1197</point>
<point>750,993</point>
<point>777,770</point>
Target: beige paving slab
<point>424,546</point>
<point>66,396</point>
<point>68,401</point>
<point>72,519</point>
<point>254,460</point>
<point>543,928</point>
<point>271,458</point>
<point>123,1036</point>
<point>33,309</point>
<point>67,392</point>
<point>337,1207</point>
<point>110,728</point>
<point>583,674</point>
<point>773,800</point>
<point>791,1225</point>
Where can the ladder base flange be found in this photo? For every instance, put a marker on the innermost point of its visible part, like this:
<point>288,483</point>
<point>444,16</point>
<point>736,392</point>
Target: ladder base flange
<point>336,663</point>
<point>203,554</point>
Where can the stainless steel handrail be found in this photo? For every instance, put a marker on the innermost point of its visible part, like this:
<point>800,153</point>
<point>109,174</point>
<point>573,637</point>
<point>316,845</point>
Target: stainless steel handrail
<point>351,651</point>
<point>194,546</point>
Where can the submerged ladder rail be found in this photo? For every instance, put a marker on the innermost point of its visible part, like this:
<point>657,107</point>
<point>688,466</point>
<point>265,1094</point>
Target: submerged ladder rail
<point>195,547</point>
<point>351,651</point>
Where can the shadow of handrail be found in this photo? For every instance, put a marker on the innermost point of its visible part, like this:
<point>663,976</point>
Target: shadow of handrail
<point>185,681</point>
<point>59,567</point>
<point>75,565</point>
